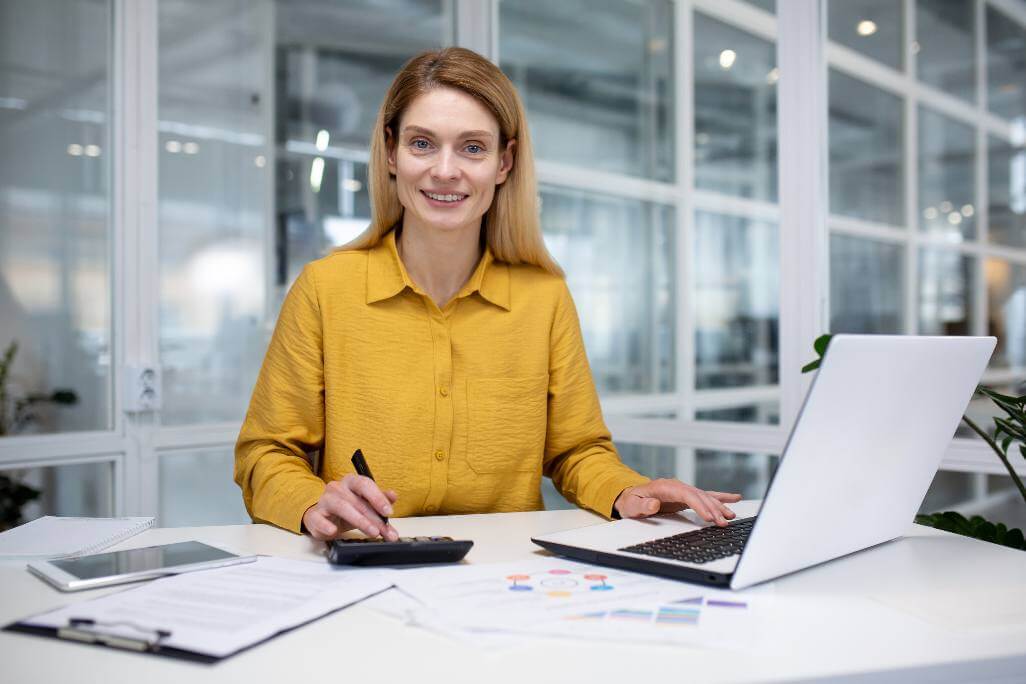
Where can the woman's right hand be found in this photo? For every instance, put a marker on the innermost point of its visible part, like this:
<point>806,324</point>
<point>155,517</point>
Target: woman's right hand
<point>354,502</point>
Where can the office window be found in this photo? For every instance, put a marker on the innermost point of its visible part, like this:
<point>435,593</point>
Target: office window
<point>1006,65</point>
<point>735,111</point>
<point>215,117</point>
<point>1006,192</point>
<point>736,286</point>
<point>866,160</point>
<point>596,78</point>
<point>945,46</point>
<point>870,27</point>
<point>946,302</point>
<point>55,212</point>
<point>618,256</point>
<point>947,176</point>
<point>866,286</point>
<point>197,488</point>
<point>74,489</point>
<point>1006,304</point>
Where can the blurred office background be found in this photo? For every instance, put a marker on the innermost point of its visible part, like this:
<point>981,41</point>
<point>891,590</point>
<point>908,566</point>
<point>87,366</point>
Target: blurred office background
<point>168,166</point>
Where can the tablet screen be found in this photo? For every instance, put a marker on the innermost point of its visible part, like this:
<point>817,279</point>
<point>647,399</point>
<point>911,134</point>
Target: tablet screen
<point>136,560</point>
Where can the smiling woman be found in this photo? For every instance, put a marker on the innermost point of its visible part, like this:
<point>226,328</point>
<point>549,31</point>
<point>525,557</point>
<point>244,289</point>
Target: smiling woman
<point>443,342</point>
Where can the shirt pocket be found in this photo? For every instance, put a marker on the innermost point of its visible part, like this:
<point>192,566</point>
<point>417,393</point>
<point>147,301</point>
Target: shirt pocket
<point>508,418</point>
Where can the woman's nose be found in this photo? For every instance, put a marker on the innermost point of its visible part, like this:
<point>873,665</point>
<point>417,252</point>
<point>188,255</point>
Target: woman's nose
<point>446,166</point>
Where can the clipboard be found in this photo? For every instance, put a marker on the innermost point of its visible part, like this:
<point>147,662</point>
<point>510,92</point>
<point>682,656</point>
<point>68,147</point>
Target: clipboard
<point>87,631</point>
<point>241,625</point>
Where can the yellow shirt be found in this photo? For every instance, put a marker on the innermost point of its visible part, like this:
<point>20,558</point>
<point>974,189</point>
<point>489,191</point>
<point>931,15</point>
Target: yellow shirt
<point>459,410</point>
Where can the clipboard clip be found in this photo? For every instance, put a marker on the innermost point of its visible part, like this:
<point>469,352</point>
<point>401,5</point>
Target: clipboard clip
<point>92,631</point>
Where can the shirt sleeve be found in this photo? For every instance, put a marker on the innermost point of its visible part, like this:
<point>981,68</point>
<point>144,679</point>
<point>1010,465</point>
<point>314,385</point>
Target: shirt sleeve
<point>579,453</point>
<point>285,420</point>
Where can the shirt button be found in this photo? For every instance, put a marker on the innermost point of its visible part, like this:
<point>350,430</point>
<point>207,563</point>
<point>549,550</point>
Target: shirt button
<point>440,455</point>
<point>443,391</point>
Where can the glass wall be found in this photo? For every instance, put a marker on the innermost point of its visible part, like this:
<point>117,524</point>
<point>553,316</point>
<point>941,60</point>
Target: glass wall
<point>55,208</point>
<point>926,195</point>
<point>76,489</point>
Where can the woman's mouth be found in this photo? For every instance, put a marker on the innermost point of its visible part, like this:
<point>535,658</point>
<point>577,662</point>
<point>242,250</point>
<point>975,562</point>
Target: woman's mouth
<point>445,199</point>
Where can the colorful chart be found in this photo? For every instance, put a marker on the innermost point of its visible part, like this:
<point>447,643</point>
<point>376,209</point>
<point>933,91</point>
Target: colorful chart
<point>681,613</point>
<point>559,582</point>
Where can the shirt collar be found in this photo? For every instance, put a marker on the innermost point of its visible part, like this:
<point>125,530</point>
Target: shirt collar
<point>387,277</point>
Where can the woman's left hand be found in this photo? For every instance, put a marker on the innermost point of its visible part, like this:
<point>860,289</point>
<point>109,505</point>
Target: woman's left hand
<point>670,496</point>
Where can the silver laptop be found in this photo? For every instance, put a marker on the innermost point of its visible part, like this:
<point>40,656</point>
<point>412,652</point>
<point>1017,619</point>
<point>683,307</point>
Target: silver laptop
<point>874,427</point>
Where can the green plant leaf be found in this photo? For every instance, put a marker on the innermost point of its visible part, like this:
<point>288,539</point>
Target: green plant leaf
<point>811,366</point>
<point>821,344</point>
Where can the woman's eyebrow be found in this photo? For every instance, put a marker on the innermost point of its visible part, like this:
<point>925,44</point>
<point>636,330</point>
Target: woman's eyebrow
<point>463,134</point>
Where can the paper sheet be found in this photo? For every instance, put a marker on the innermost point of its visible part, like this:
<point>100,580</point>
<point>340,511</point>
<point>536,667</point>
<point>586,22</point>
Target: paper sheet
<point>218,612</point>
<point>565,598</point>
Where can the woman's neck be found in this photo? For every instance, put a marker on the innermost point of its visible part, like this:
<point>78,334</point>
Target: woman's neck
<point>439,262</point>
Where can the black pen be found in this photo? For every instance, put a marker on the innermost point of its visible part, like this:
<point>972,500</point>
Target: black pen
<point>363,469</point>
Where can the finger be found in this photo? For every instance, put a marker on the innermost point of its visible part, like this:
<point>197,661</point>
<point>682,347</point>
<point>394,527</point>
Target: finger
<point>716,508</point>
<point>727,512</point>
<point>724,496</point>
<point>367,512</point>
<point>354,517</point>
<point>367,489</point>
<point>694,499</point>
<point>320,526</point>
<point>392,496</point>
<point>391,534</point>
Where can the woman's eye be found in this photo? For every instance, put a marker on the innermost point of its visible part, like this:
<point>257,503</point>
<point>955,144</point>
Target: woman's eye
<point>421,144</point>
<point>475,149</point>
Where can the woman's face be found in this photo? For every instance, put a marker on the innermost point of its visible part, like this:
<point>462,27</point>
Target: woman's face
<point>447,160</point>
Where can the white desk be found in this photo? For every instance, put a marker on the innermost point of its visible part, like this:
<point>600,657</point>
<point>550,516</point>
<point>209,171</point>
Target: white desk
<point>930,607</point>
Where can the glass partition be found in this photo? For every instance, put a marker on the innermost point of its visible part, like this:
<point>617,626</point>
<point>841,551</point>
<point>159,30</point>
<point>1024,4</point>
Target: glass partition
<point>596,78</point>
<point>55,238</point>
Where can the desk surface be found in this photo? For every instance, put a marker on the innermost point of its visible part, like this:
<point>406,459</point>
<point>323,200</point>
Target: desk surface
<point>931,606</point>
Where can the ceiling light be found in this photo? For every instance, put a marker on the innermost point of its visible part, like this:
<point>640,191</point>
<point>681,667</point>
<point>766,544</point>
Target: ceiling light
<point>173,146</point>
<point>954,218</point>
<point>260,161</point>
<point>930,213</point>
<point>773,76</point>
<point>352,185</point>
<point>968,210</point>
<point>75,150</point>
<point>322,140</point>
<point>866,27</point>
<point>92,150</point>
<point>190,147</point>
<point>946,206</point>
<point>727,58</point>
<point>317,173</point>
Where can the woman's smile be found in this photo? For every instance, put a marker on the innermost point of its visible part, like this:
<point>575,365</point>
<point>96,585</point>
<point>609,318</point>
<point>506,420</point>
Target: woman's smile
<point>444,199</point>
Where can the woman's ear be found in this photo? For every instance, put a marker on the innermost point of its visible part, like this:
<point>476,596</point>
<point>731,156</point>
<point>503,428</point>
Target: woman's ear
<point>506,162</point>
<point>390,145</point>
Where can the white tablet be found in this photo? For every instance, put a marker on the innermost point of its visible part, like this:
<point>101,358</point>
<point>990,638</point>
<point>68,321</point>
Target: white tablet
<point>118,567</point>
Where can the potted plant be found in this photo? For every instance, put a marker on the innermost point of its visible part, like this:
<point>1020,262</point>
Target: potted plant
<point>1009,433</point>
<point>16,412</point>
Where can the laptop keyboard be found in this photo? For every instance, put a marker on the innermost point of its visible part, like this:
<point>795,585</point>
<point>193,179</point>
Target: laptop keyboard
<point>699,546</point>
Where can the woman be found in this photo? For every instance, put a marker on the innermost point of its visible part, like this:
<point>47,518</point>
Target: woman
<point>443,342</point>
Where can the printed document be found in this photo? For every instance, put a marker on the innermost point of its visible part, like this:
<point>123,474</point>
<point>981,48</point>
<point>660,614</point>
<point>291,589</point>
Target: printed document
<point>550,596</point>
<point>218,612</point>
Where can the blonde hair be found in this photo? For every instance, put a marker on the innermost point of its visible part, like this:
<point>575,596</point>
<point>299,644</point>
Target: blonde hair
<point>512,229</point>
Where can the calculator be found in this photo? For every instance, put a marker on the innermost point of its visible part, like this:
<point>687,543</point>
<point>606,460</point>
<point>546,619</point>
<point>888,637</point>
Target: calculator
<point>406,551</point>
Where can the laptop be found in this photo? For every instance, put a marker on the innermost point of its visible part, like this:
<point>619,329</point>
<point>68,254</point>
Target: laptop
<point>874,427</point>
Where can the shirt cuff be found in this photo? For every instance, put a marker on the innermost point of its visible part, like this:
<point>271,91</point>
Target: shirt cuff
<point>612,489</point>
<point>288,512</point>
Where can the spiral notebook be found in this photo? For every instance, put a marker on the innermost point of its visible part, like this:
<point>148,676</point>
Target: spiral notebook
<point>62,537</point>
